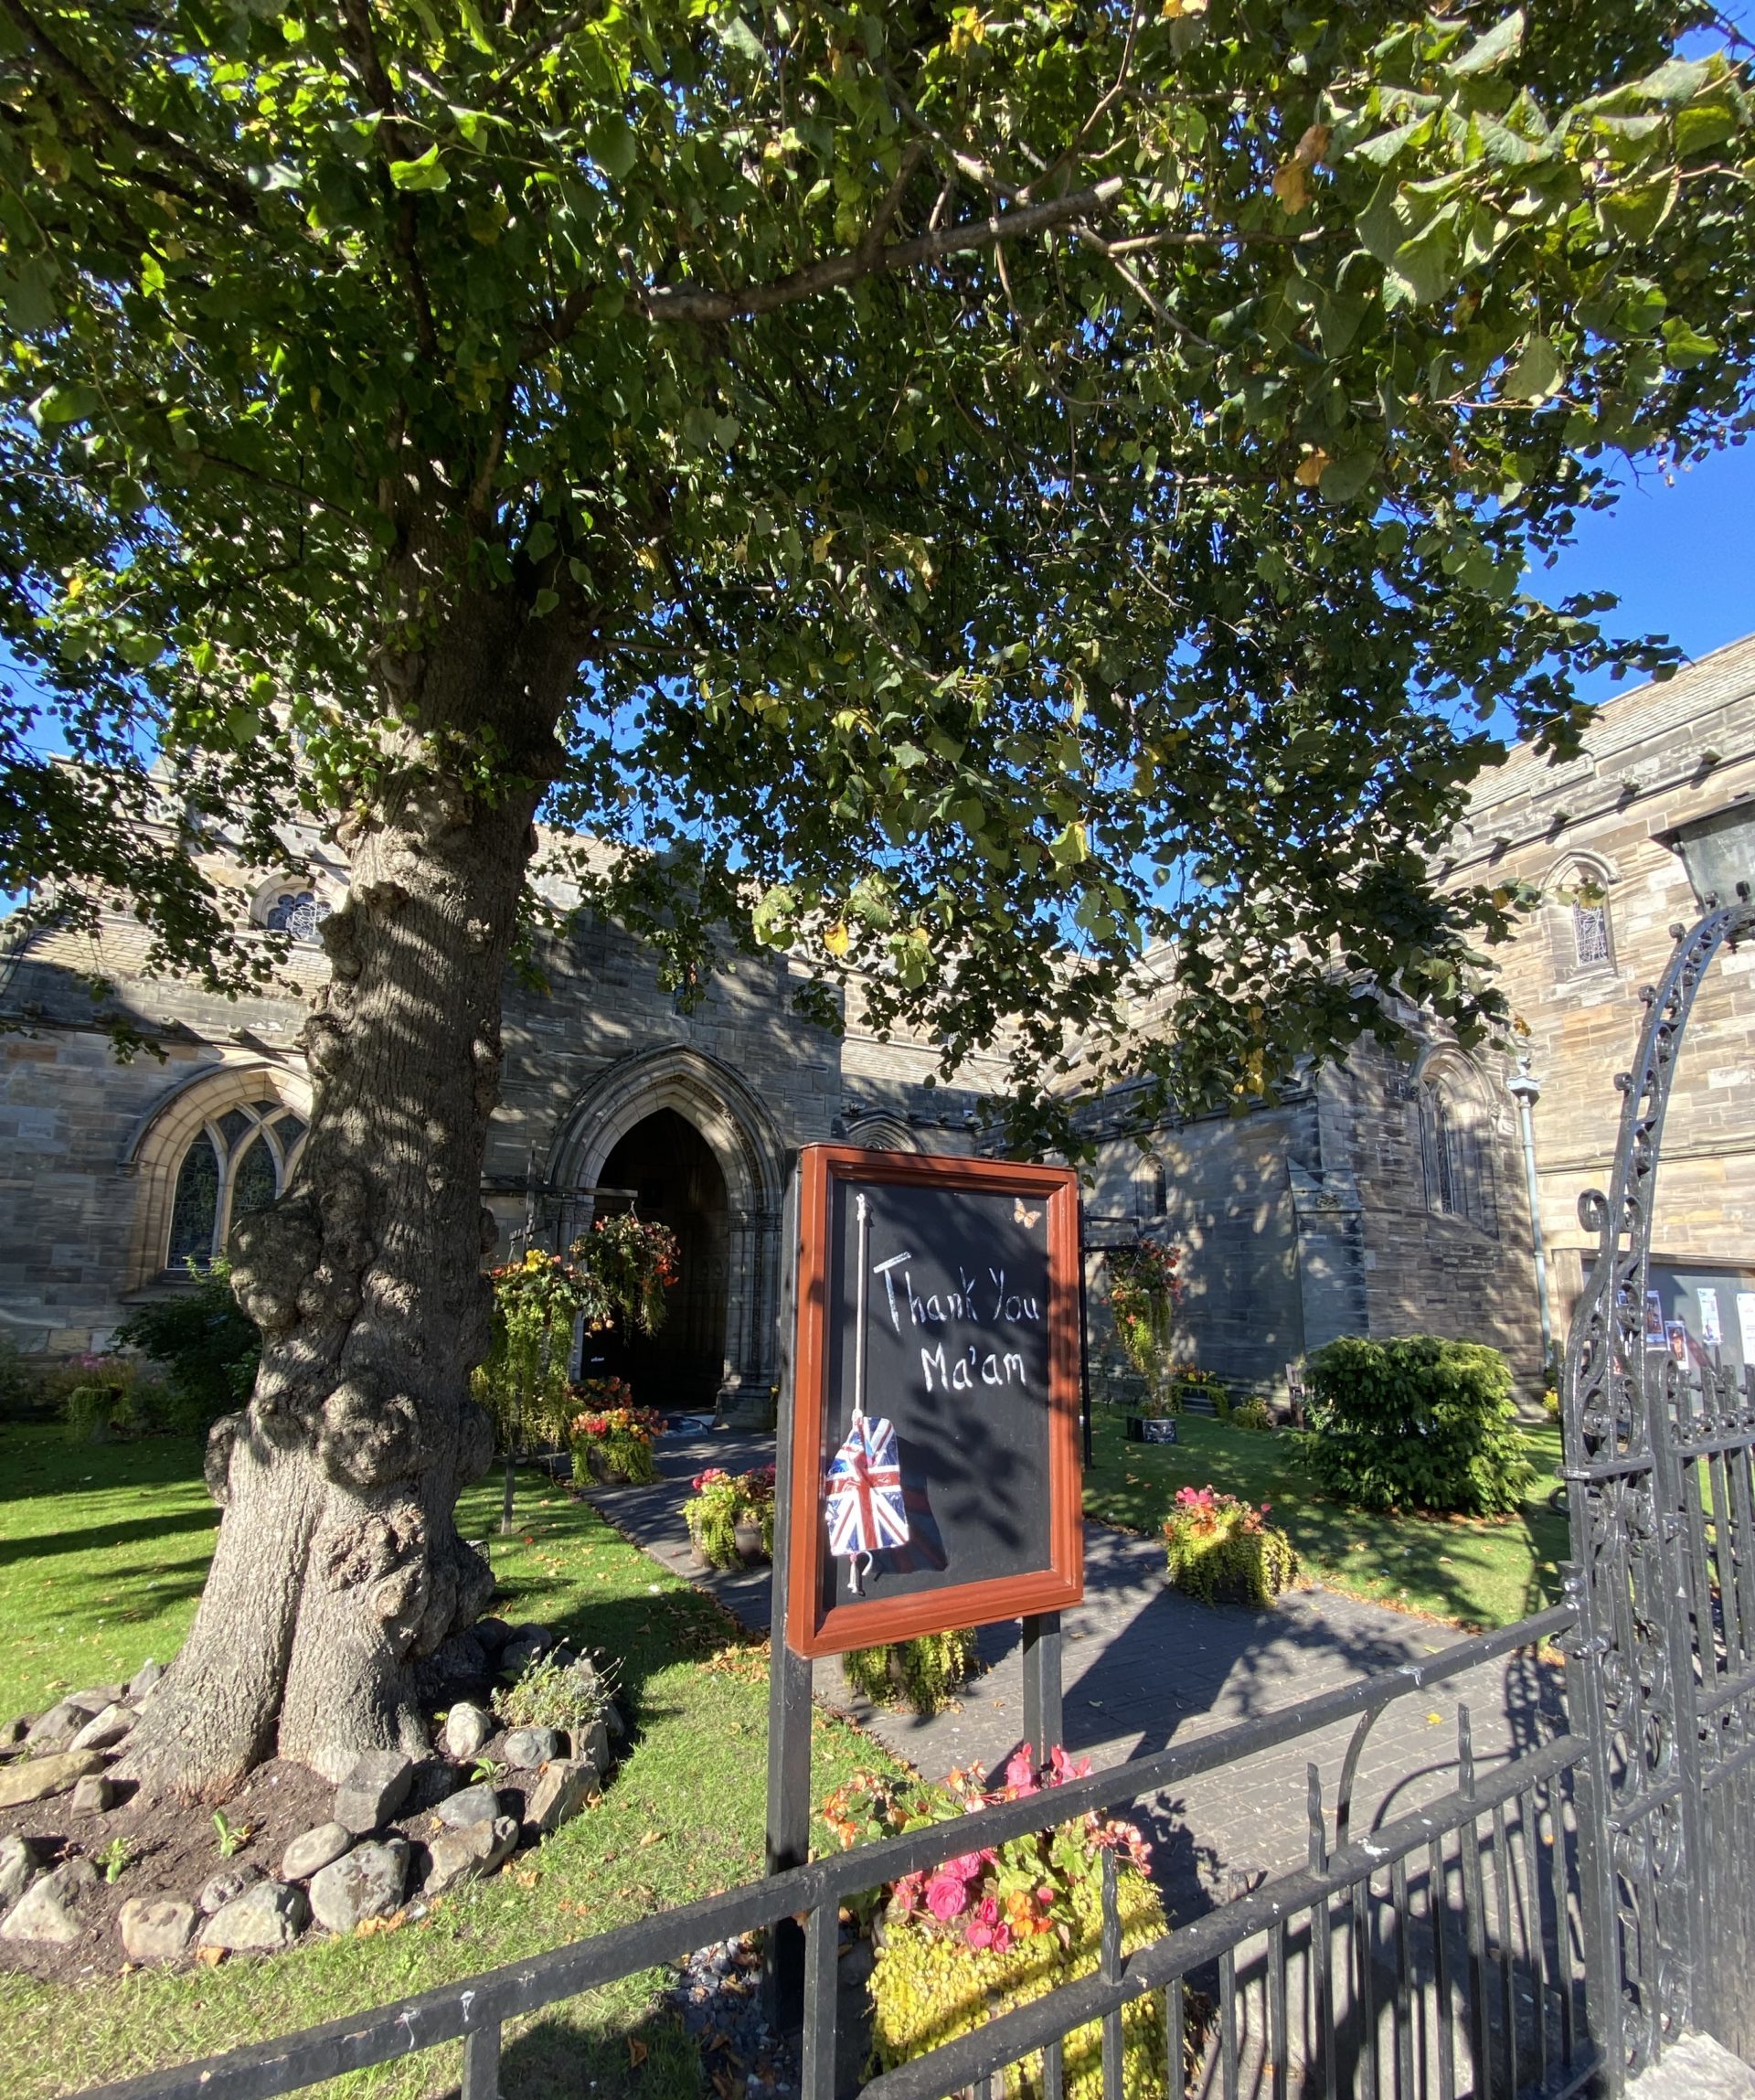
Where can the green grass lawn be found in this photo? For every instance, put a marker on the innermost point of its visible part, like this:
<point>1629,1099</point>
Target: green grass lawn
<point>103,1549</point>
<point>1474,1572</point>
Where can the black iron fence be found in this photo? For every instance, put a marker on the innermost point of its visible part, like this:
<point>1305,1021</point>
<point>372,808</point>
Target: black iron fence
<point>1439,1953</point>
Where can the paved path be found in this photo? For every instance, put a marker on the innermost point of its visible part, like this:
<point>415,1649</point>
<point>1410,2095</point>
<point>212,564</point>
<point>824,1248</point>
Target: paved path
<point>1144,1667</point>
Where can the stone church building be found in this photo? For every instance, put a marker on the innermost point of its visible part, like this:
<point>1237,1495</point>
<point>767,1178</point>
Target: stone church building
<point>1373,1197</point>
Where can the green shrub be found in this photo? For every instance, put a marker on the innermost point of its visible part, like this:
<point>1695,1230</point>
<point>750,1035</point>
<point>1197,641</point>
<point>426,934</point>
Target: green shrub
<point>207,1343</point>
<point>919,1675</point>
<point>1223,1550</point>
<point>1252,1414</point>
<point>1421,1424</point>
<point>550,1694</point>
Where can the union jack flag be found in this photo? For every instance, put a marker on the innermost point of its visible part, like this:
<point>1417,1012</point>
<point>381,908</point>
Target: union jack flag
<point>866,1511</point>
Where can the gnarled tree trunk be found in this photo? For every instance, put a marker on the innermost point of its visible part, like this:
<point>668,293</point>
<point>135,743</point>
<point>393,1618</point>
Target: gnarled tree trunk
<point>338,1565</point>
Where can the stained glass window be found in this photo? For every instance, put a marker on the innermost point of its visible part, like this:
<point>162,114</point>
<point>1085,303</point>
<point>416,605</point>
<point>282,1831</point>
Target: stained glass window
<point>230,1169</point>
<point>296,911</point>
<point>1590,933</point>
<point>195,1210</point>
<point>235,1126</point>
<point>254,1181</point>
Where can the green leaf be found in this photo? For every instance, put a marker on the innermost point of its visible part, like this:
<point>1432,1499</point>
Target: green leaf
<point>770,921</point>
<point>426,173</point>
<point>1502,145</point>
<point>1635,211</point>
<point>1425,268</point>
<point>27,293</point>
<point>613,146</point>
<point>740,40</point>
<point>1539,371</point>
<point>1685,347</point>
<point>1348,477</point>
<point>64,404</point>
<point>1069,847</point>
<point>1488,53</point>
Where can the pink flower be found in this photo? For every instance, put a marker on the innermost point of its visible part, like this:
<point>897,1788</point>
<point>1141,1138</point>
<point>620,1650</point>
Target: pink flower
<point>982,1922</point>
<point>967,1866</point>
<point>1020,1774</point>
<point>1065,1768</point>
<point>1002,1938</point>
<point>946,1897</point>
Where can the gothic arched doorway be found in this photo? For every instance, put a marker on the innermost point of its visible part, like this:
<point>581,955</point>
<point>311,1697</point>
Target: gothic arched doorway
<point>669,1171</point>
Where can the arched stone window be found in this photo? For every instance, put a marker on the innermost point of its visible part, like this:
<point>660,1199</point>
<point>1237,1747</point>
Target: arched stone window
<point>291,905</point>
<point>880,1132</point>
<point>1582,933</point>
<point>1150,1191</point>
<point>222,1144</point>
<point>1455,1155</point>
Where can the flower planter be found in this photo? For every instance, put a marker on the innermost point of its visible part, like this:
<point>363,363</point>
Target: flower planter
<point>1151,1429</point>
<point>751,1550</point>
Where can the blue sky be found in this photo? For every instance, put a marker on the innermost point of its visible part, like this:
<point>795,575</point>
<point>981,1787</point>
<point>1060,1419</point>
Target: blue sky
<point>1678,555</point>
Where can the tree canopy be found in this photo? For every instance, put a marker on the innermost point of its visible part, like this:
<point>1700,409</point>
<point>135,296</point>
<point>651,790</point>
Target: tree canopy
<point>992,479</point>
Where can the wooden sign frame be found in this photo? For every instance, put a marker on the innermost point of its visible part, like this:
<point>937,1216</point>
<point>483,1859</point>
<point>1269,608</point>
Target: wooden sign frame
<point>812,1629</point>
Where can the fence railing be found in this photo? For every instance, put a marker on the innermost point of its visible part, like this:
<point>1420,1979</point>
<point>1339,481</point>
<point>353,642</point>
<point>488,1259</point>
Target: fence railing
<point>1445,1936</point>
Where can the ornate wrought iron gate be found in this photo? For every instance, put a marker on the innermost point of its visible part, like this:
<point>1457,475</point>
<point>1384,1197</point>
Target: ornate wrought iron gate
<point>1663,1681</point>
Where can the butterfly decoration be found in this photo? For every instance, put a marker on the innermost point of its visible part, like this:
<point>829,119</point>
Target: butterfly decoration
<point>863,1493</point>
<point>1024,1216</point>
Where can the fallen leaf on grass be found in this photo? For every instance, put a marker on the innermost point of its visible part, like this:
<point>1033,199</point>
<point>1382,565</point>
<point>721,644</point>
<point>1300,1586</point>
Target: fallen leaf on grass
<point>651,1836</point>
<point>637,2053</point>
<point>367,1926</point>
<point>210,1956</point>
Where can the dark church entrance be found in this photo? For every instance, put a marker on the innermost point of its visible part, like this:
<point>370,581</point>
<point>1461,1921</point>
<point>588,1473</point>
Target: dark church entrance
<point>667,1168</point>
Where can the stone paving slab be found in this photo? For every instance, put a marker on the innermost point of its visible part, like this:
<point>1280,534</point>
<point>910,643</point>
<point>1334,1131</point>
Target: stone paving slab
<point>1144,1667</point>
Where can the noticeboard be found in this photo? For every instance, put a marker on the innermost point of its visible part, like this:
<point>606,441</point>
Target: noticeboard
<point>939,1297</point>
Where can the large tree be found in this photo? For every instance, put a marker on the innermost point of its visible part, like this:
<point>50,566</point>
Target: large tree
<point>972,491</point>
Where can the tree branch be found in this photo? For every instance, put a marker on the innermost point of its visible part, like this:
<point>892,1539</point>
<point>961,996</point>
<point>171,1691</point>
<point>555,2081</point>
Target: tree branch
<point>678,303</point>
<point>377,84</point>
<point>148,137</point>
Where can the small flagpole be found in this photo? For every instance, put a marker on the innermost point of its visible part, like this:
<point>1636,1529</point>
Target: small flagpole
<point>862,1210</point>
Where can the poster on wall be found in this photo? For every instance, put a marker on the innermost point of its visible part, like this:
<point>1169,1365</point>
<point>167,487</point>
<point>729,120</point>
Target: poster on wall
<point>1711,1333</point>
<point>1746,1325</point>
<point>935,1397</point>
<point>1656,1337</point>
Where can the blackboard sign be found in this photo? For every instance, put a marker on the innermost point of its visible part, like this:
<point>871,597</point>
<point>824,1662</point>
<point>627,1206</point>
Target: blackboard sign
<point>935,1399</point>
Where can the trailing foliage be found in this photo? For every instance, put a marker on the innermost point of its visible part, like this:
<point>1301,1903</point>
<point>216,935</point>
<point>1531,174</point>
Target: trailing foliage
<point>719,1503</point>
<point>632,1262</point>
<point>209,1345</point>
<point>617,1271</point>
<point>1144,1292</point>
<point>1419,1423</point>
<point>1223,1550</point>
<point>612,1439</point>
<point>918,1676</point>
<point>998,1926</point>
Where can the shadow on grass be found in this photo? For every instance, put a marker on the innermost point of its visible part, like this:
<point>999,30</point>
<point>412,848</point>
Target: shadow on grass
<point>104,1538</point>
<point>1475,1573</point>
<point>561,2054</point>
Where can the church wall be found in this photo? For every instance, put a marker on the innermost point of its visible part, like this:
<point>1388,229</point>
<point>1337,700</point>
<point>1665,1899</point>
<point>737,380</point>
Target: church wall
<point>1422,1270</point>
<point>1228,1205</point>
<point>1654,759</point>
